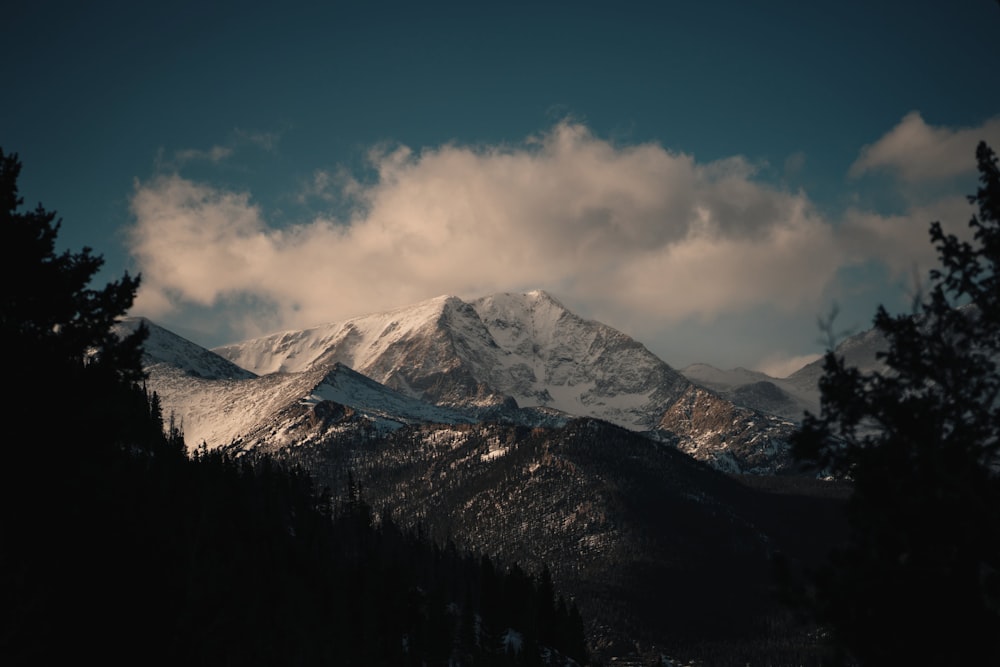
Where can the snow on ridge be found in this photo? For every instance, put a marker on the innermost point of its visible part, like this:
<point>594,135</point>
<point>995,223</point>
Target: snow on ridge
<point>444,360</point>
<point>527,346</point>
<point>347,387</point>
<point>165,347</point>
<point>218,411</point>
<point>367,335</point>
<point>550,357</point>
<point>536,309</point>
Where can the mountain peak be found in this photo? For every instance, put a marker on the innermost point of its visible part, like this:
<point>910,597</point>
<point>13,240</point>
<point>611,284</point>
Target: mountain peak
<point>165,347</point>
<point>536,305</point>
<point>536,296</point>
<point>482,359</point>
<point>542,295</point>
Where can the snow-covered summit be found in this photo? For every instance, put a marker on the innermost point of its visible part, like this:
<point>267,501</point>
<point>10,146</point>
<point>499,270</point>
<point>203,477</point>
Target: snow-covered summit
<point>513,357</point>
<point>358,340</point>
<point>526,347</point>
<point>376,401</point>
<point>548,356</point>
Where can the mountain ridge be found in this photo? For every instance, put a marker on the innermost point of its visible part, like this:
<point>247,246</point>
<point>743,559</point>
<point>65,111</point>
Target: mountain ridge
<point>520,358</point>
<point>791,396</point>
<point>470,444</point>
<point>525,346</point>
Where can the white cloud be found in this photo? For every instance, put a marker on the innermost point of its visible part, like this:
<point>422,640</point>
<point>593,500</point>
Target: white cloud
<point>902,242</point>
<point>616,227</point>
<point>918,152</point>
<point>636,235</point>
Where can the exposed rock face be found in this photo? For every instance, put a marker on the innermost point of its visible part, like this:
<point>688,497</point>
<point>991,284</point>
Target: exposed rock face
<point>327,413</point>
<point>728,437</point>
<point>518,358</point>
<point>479,355</point>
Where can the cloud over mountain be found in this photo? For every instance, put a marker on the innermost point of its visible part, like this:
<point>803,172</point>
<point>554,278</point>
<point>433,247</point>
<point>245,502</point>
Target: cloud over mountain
<point>613,229</point>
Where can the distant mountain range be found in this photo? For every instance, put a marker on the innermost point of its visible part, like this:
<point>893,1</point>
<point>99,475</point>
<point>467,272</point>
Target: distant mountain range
<point>791,396</point>
<point>514,358</point>
<point>523,431</point>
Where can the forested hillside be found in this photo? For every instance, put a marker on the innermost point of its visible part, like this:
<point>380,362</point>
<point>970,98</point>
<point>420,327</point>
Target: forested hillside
<point>119,548</point>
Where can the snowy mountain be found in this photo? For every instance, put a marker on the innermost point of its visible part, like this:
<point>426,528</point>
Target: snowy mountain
<point>757,390</point>
<point>859,351</point>
<point>163,347</point>
<point>464,418</point>
<point>788,397</point>
<point>543,355</point>
<point>510,356</point>
<point>216,402</point>
<point>505,349</point>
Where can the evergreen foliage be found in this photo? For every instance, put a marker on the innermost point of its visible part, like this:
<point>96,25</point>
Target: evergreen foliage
<point>67,366</point>
<point>919,580</point>
<point>119,548</point>
<point>46,305</point>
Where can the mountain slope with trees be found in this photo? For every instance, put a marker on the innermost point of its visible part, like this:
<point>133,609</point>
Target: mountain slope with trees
<point>659,550</point>
<point>118,548</point>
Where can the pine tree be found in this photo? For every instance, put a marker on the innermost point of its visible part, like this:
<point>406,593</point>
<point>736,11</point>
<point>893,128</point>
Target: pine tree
<point>919,581</point>
<point>64,357</point>
<point>46,301</point>
<point>75,503</point>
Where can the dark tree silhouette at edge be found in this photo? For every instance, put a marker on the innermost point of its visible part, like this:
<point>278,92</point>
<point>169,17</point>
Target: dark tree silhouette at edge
<point>919,581</point>
<point>117,547</point>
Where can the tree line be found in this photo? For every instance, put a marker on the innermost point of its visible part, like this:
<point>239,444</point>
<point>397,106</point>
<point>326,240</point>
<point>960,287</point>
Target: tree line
<point>118,546</point>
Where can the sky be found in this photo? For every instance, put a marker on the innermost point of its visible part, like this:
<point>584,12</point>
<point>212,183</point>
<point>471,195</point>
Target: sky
<point>709,178</point>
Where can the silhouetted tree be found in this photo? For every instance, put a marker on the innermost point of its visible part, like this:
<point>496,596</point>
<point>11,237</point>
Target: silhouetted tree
<point>919,581</point>
<point>62,354</point>
<point>76,416</point>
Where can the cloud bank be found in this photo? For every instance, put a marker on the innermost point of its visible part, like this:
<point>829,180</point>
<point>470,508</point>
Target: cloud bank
<point>918,152</point>
<point>633,235</point>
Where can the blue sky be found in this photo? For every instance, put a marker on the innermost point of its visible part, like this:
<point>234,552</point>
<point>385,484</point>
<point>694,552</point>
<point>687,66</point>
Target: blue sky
<point>708,177</point>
